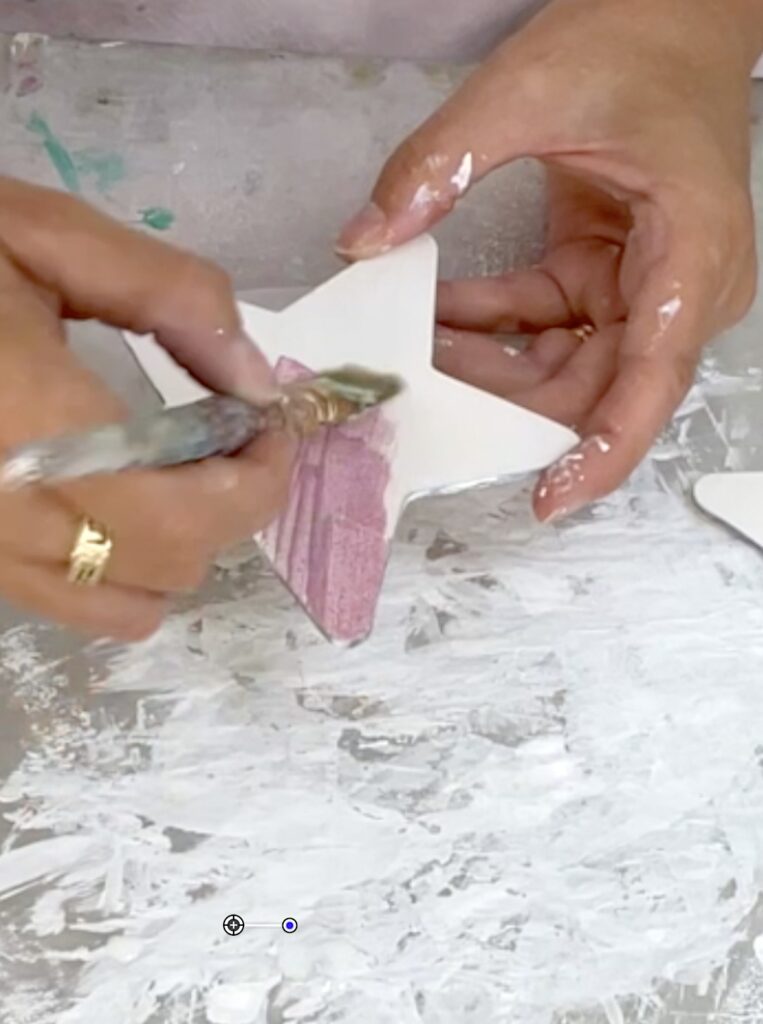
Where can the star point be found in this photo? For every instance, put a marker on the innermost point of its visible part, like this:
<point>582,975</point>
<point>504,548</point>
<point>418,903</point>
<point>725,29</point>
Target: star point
<point>351,484</point>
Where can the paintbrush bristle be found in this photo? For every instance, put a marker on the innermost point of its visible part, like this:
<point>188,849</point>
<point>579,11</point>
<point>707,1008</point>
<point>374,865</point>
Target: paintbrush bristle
<point>364,388</point>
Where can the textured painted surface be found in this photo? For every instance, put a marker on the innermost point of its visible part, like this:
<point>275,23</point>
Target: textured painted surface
<point>105,169</point>
<point>537,789</point>
<point>330,544</point>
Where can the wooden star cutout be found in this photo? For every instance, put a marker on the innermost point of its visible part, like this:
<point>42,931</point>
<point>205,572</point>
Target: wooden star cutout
<point>735,499</point>
<point>352,483</point>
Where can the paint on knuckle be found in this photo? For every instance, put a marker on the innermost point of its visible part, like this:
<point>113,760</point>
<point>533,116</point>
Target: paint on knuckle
<point>418,175</point>
<point>408,161</point>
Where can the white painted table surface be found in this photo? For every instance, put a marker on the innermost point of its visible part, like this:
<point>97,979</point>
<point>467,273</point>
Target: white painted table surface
<point>534,795</point>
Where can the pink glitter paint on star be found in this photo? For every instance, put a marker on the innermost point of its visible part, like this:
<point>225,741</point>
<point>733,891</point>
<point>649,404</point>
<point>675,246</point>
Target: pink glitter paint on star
<point>330,544</point>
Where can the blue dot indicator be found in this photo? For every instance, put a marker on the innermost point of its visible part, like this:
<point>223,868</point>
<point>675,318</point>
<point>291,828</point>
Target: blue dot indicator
<point>289,925</point>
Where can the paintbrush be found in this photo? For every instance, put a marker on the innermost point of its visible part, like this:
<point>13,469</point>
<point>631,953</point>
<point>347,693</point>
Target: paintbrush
<point>217,425</point>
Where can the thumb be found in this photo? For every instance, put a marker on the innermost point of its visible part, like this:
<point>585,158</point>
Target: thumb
<point>479,128</point>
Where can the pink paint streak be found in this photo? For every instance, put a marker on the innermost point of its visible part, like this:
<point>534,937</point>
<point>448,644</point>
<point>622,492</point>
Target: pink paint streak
<point>330,545</point>
<point>26,64</point>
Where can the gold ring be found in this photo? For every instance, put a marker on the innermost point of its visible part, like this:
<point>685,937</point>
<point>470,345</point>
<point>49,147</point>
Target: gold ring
<point>583,332</point>
<point>90,554</point>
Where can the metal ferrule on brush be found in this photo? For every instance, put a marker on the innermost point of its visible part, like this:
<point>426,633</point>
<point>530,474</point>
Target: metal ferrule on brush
<point>306,408</point>
<point>217,425</point>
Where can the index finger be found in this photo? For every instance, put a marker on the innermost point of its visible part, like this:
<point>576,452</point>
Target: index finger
<point>104,270</point>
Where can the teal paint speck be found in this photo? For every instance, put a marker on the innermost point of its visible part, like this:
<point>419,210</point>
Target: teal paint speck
<point>108,169</point>
<point>157,217</point>
<point>59,155</point>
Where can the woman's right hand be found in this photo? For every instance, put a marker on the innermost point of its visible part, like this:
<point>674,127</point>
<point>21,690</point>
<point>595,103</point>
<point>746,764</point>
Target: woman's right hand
<point>60,259</point>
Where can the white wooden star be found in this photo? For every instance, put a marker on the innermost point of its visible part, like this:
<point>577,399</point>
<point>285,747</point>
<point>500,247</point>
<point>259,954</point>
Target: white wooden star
<point>735,499</point>
<point>351,486</point>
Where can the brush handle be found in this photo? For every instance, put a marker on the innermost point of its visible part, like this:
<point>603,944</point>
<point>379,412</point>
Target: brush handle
<point>218,425</point>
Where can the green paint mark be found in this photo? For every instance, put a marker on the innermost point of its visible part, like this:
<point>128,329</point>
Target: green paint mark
<point>108,169</point>
<point>59,155</point>
<point>157,217</point>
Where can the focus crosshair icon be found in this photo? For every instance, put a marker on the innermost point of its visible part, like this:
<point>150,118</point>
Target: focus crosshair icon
<point>233,924</point>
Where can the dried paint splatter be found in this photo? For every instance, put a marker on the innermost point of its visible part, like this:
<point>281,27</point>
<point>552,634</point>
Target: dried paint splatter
<point>59,155</point>
<point>157,217</point>
<point>330,545</point>
<point>26,63</point>
<point>104,167</point>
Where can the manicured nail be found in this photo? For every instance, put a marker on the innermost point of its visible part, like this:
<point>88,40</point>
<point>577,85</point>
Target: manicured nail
<point>559,484</point>
<point>252,375</point>
<point>367,234</point>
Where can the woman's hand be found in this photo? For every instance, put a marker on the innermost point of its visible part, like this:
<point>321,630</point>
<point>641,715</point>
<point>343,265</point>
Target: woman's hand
<point>61,259</point>
<point>640,112</point>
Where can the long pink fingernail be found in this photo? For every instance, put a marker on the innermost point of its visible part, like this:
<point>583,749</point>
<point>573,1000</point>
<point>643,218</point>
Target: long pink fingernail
<point>367,234</point>
<point>559,484</point>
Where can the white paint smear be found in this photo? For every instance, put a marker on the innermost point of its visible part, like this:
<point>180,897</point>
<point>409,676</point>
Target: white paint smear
<point>668,311</point>
<point>424,195</point>
<point>428,195</point>
<point>236,1003</point>
<point>47,858</point>
<point>536,787</point>
<point>463,176</point>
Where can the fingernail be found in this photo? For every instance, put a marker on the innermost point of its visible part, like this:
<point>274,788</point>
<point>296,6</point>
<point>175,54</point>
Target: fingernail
<point>253,377</point>
<point>367,234</point>
<point>561,481</point>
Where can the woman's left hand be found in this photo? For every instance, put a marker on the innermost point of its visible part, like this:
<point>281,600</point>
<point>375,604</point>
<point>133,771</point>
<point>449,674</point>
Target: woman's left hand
<point>640,114</point>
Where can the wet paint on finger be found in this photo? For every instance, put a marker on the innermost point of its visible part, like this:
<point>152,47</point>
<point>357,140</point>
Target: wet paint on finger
<point>561,485</point>
<point>462,179</point>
